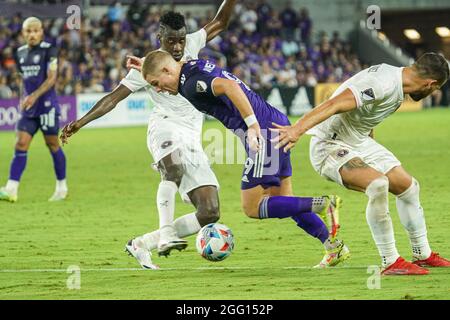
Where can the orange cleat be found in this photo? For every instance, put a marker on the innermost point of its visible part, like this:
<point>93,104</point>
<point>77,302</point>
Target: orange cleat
<point>434,260</point>
<point>403,267</point>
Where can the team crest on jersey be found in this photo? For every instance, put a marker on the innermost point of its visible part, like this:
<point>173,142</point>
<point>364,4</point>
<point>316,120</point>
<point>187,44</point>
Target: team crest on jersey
<point>209,67</point>
<point>201,86</point>
<point>166,144</point>
<point>368,95</point>
<point>36,59</point>
<point>22,60</point>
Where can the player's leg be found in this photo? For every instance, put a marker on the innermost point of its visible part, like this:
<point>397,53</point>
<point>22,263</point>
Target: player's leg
<point>407,190</point>
<point>358,175</point>
<point>26,128</point>
<point>59,165</point>
<point>172,169</point>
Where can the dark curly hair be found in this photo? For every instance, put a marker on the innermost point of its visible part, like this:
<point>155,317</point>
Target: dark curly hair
<point>173,20</point>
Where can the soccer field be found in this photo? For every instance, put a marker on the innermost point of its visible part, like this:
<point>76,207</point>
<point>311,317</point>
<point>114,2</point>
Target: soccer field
<point>112,199</point>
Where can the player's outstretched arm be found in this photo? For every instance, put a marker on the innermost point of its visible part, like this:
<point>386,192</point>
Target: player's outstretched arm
<point>221,20</point>
<point>234,92</point>
<point>289,135</point>
<point>102,107</point>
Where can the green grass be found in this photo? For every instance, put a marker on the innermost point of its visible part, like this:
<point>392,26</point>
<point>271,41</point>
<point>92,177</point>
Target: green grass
<point>112,198</point>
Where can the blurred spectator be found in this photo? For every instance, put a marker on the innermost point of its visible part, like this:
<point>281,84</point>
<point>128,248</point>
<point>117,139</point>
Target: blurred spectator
<point>288,19</point>
<point>5,90</point>
<point>249,18</point>
<point>261,46</point>
<point>305,26</point>
<point>115,12</point>
<point>191,23</point>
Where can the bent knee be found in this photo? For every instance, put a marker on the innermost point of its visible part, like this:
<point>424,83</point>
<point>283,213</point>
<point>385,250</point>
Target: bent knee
<point>208,213</point>
<point>379,187</point>
<point>251,210</point>
<point>22,145</point>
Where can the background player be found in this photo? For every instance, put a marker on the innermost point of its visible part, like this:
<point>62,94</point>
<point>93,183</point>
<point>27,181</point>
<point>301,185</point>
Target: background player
<point>266,190</point>
<point>37,63</point>
<point>342,151</point>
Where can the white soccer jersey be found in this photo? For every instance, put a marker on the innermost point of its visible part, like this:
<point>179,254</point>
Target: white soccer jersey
<point>378,91</point>
<point>164,103</point>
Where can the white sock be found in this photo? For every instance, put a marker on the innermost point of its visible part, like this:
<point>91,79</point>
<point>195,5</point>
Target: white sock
<point>185,226</point>
<point>61,185</point>
<point>379,220</point>
<point>412,217</point>
<point>12,186</point>
<point>165,200</point>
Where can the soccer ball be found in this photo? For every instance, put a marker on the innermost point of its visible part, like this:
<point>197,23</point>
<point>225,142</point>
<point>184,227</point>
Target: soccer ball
<point>215,242</point>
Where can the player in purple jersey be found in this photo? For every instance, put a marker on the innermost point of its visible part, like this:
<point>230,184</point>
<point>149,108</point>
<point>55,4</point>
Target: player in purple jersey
<point>266,190</point>
<point>37,63</point>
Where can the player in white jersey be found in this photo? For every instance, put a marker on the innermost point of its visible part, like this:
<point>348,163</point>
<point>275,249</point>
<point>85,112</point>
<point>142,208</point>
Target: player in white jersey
<point>173,139</point>
<point>342,149</point>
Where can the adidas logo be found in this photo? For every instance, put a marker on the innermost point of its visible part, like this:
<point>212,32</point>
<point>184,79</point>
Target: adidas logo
<point>245,179</point>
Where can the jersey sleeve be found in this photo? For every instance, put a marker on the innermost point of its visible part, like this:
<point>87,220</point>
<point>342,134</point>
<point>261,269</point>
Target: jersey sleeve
<point>367,91</point>
<point>16,60</point>
<point>196,41</point>
<point>134,81</point>
<point>52,58</point>
<point>198,85</point>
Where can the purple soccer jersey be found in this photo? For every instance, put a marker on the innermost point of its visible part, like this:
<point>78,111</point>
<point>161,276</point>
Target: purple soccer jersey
<point>195,85</point>
<point>33,63</point>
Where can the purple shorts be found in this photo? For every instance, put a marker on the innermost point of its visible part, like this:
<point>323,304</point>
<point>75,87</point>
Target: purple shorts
<point>47,122</point>
<point>266,168</point>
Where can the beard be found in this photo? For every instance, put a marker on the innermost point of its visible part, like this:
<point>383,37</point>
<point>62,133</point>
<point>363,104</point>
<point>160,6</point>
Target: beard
<point>418,96</point>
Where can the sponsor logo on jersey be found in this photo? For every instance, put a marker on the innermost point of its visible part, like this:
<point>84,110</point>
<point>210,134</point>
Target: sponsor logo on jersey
<point>368,95</point>
<point>201,86</point>
<point>30,71</point>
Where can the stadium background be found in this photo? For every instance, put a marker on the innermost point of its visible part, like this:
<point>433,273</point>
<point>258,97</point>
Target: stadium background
<point>294,58</point>
<point>285,50</point>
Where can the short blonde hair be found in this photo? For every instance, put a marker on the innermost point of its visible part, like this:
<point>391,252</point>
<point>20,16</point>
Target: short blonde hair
<point>31,20</point>
<point>153,62</point>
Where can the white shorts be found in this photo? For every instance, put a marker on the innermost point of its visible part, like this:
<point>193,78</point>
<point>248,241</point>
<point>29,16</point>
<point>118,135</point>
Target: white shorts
<point>328,156</point>
<point>167,134</point>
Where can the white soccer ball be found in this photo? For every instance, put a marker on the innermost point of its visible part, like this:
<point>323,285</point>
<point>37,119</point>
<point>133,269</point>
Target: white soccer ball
<point>215,242</point>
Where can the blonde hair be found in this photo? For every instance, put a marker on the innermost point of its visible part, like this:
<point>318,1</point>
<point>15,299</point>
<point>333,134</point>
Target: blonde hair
<point>31,20</point>
<point>153,62</point>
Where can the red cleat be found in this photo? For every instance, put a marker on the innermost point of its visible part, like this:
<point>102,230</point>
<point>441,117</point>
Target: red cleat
<point>433,261</point>
<point>403,267</point>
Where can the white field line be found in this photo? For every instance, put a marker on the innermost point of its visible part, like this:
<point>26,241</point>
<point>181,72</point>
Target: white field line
<point>171,269</point>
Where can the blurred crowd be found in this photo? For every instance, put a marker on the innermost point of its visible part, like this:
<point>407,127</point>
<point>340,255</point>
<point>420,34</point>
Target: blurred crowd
<point>263,46</point>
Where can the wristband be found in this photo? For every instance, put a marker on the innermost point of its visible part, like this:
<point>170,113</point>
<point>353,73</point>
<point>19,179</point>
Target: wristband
<point>250,120</point>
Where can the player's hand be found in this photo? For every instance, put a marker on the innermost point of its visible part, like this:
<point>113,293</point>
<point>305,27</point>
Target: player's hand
<point>69,130</point>
<point>134,62</point>
<point>255,139</point>
<point>287,136</point>
<point>28,102</point>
